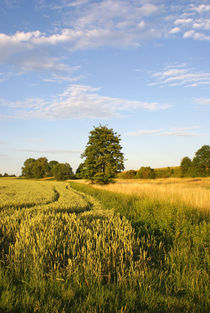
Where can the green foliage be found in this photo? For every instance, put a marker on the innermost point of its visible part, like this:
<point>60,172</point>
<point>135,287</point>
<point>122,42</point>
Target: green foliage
<point>201,161</point>
<point>185,165</point>
<point>166,172</point>
<point>127,174</point>
<point>40,168</point>
<point>199,166</point>
<point>145,172</point>
<point>175,239</point>
<point>62,171</point>
<point>27,169</point>
<point>51,164</point>
<point>103,156</point>
<point>80,171</point>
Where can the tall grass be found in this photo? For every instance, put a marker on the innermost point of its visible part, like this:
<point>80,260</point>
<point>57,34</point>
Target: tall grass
<point>194,193</point>
<point>175,238</point>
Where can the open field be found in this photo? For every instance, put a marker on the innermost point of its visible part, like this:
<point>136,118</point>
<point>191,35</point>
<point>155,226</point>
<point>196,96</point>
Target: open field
<point>194,192</point>
<point>69,247</point>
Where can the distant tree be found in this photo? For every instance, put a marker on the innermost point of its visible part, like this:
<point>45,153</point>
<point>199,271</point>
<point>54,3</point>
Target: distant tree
<point>103,156</point>
<point>51,164</point>
<point>128,174</point>
<point>6,175</point>
<point>27,169</point>
<point>80,171</point>
<point>185,165</point>
<point>201,161</point>
<point>145,173</point>
<point>62,171</point>
<point>40,168</point>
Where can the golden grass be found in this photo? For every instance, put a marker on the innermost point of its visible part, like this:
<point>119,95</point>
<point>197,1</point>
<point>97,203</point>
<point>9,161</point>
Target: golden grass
<point>193,192</point>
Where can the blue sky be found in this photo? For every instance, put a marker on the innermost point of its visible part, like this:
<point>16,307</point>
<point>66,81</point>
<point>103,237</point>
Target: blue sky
<point>140,67</point>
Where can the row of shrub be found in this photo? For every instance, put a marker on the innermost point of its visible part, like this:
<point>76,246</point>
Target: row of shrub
<point>198,166</point>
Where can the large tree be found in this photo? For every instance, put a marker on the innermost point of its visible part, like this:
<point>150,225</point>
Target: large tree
<point>103,156</point>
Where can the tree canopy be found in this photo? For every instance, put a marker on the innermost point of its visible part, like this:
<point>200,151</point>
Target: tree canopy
<point>186,164</point>
<point>103,156</point>
<point>145,172</point>
<point>40,168</point>
<point>201,161</point>
<point>62,171</point>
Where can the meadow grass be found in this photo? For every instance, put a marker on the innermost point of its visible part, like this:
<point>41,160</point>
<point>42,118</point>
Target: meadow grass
<point>91,250</point>
<point>193,192</point>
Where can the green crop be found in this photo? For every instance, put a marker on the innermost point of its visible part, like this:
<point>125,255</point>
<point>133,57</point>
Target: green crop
<point>62,250</point>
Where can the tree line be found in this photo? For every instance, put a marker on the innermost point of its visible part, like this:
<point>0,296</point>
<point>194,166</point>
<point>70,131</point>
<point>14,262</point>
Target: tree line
<point>104,160</point>
<point>40,168</point>
<point>199,166</point>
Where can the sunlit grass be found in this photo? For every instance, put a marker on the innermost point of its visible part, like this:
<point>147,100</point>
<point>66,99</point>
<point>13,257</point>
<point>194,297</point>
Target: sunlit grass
<point>194,193</point>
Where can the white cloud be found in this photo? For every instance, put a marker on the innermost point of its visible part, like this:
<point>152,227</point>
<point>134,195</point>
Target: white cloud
<point>50,151</point>
<point>33,63</point>
<point>196,35</point>
<point>202,8</point>
<point>180,132</point>
<point>79,102</point>
<point>189,18</point>
<point>174,30</point>
<point>183,21</point>
<point>203,101</point>
<point>143,132</point>
<point>180,76</point>
<point>55,78</point>
<point>202,24</point>
<point>11,3</point>
<point>101,23</point>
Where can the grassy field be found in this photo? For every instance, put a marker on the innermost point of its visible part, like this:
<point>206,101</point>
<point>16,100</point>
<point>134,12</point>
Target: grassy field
<point>71,247</point>
<point>193,192</point>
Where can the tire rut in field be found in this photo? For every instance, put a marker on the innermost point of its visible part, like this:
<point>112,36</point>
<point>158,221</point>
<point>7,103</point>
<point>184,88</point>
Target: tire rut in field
<point>91,202</point>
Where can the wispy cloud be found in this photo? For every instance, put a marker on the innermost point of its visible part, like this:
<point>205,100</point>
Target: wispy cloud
<point>11,3</point>
<point>196,35</point>
<point>202,8</point>
<point>202,101</point>
<point>54,78</point>
<point>53,151</point>
<point>180,76</point>
<point>178,132</point>
<point>78,102</point>
<point>35,140</point>
<point>174,30</point>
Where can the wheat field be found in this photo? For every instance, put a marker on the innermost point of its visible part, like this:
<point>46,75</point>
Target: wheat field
<point>70,247</point>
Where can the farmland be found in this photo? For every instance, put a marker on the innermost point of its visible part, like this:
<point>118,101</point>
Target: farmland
<point>70,247</point>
